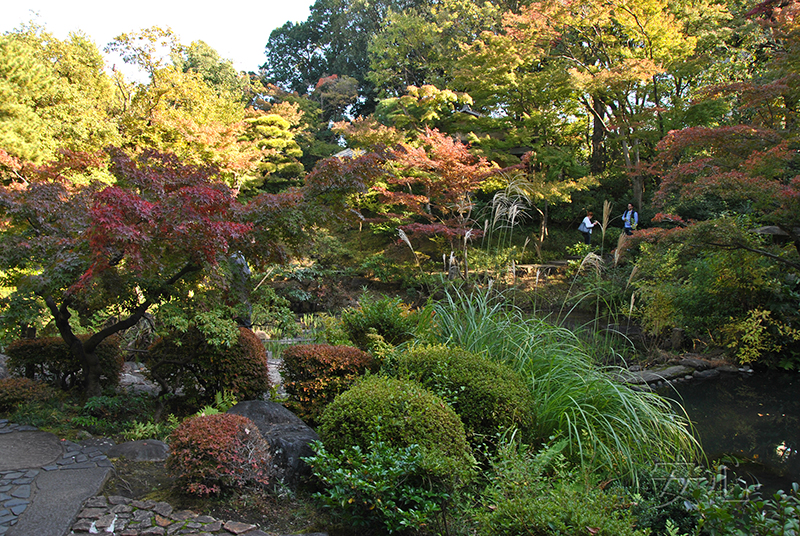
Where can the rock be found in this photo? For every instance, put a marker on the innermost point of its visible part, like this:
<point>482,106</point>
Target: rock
<point>287,435</point>
<point>658,375</point>
<point>695,363</point>
<point>146,450</point>
<point>3,368</point>
<point>705,374</point>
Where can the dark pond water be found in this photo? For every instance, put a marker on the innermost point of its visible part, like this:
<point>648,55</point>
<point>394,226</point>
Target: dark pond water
<point>752,418</point>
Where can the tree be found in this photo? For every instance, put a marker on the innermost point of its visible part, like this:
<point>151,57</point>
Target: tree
<point>162,231</point>
<point>216,72</point>
<point>420,45</point>
<point>434,180</point>
<point>53,94</point>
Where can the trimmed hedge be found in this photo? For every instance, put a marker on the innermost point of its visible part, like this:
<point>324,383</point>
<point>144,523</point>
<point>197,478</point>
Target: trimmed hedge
<point>187,361</point>
<point>313,374</point>
<point>400,413</point>
<point>16,390</point>
<point>489,396</point>
<point>211,453</point>
<point>50,359</point>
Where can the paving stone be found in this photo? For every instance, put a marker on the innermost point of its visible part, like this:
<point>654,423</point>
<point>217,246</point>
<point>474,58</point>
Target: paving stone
<point>7,519</point>
<point>91,513</point>
<point>163,509</point>
<point>83,525</point>
<point>204,519</point>
<point>121,509</point>
<point>119,499</point>
<point>238,528</point>
<point>105,522</point>
<point>213,527</point>
<point>162,521</point>
<point>183,515</point>
<point>18,509</point>
<point>147,505</point>
<point>153,531</point>
<point>22,492</point>
<point>96,502</point>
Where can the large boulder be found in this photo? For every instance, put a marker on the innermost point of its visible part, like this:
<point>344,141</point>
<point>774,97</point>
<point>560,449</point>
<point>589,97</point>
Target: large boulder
<point>288,437</point>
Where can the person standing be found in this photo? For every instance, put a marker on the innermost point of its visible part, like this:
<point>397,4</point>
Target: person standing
<point>630,219</point>
<point>586,227</point>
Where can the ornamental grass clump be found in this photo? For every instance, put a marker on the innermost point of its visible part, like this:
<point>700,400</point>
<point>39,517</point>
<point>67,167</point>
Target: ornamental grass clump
<point>609,427</point>
<point>213,453</point>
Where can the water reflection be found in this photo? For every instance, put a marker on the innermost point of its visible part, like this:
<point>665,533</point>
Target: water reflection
<point>752,418</point>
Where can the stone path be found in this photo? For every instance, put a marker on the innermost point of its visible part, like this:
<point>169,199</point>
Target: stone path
<point>121,516</point>
<point>24,462</point>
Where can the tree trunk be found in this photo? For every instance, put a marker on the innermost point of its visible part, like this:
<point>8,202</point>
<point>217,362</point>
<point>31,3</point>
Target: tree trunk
<point>598,157</point>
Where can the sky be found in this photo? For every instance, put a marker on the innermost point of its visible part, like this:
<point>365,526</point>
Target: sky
<point>237,29</point>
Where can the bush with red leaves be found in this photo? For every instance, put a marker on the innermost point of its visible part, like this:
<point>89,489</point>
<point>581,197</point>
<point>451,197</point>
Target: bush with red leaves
<point>211,453</point>
<point>188,362</point>
<point>313,374</point>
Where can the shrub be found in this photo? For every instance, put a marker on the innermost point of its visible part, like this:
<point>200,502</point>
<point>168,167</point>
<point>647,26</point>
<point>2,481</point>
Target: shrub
<point>534,493</point>
<point>740,509</point>
<point>387,317</point>
<point>189,362</point>
<point>211,453</point>
<point>401,413</point>
<point>16,390</point>
<point>488,395</point>
<point>109,415</point>
<point>313,374</point>
<point>50,359</point>
<point>379,487</point>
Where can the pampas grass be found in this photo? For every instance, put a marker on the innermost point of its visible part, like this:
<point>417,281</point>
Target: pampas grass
<point>610,428</point>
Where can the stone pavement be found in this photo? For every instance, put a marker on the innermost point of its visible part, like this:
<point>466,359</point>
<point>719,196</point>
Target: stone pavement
<point>44,481</point>
<point>50,487</point>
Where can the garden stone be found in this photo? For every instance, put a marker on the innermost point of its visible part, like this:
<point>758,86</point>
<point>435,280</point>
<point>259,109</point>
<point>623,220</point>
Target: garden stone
<point>287,435</point>
<point>695,363</point>
<point>147,450</point>
<point>3,368</point>
<point>706,374</point>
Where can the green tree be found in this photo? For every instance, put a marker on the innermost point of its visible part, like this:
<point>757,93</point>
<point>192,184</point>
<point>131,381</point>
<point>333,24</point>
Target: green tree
<point>215,71</point>
<point>55,94</point>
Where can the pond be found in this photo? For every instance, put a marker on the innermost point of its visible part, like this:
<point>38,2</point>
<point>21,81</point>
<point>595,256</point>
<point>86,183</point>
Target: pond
<point>751,421</point>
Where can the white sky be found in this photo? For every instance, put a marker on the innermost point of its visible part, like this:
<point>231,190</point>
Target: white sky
<point>237,29</point>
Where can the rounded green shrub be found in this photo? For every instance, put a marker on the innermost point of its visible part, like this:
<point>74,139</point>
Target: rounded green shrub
<point>50,359</point>
<point>313,374</point>
<point>388,318</point>
<point>211,453</point>
<point>400,413</point>
<point>188,362</point>
<point>16,390</point>
<point>489,396</point>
